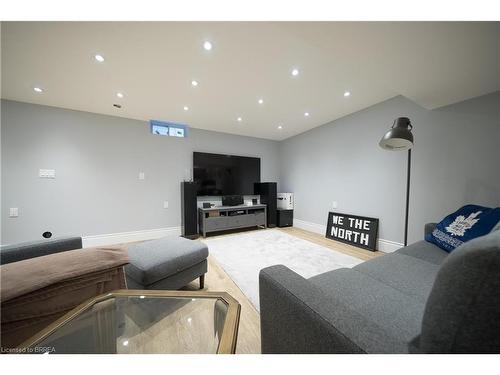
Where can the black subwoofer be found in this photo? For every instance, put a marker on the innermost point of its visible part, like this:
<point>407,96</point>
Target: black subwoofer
<point>285,218</point>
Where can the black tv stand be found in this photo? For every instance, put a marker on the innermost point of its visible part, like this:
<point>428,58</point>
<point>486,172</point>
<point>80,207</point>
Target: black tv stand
<point>221,218</point>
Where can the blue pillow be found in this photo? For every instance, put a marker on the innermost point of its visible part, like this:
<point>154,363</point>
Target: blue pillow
<point>467,223</point>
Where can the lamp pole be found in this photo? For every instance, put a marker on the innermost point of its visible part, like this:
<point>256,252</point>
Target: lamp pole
<point>408,171</point>
<point>400,138</point>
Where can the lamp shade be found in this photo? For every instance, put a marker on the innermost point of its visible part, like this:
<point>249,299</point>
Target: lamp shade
<point>399,137</point>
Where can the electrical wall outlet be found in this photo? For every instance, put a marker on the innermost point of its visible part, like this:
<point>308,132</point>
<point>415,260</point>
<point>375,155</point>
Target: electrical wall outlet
<point>165,204</point>
<point>142,176</point>
<point>13,212</point>
<point>334,205</point>
<point>47,173</point>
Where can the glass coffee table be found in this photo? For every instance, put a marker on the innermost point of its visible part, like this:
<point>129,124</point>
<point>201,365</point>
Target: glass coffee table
<point>144,322</point>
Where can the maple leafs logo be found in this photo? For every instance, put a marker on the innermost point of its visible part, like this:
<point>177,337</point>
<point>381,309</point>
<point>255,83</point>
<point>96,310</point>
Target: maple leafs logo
<point>462,223</point>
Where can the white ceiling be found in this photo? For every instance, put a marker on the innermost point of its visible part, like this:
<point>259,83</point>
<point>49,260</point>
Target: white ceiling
<point>433,63</point>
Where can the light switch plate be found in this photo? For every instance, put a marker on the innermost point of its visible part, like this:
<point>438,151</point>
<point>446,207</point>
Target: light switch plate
<point>47,173</point>
<point>334,204</point>
<point>13,212</point>
<point>141,176</point>
<point>165,204</point>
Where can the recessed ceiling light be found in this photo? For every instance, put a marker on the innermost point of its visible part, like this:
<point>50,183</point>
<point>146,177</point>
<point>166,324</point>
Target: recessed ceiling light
<point>306,114</point>
<point>260,101</point>
<point>347,93</point>
<point>280,127</point>
<point>194,83</point>
<point>37,89</point>
<point>239,119</point>
<point>295,72</point>
<point>207,45</point>
<point>120,95</point>
<point>99,58</point>
<point>186,108</point>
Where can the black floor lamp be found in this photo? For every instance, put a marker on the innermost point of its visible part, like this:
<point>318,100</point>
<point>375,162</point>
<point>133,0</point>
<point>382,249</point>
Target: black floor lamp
<point>400,138</point>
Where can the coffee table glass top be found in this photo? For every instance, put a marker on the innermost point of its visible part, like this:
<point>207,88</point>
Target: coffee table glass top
<point>145,322</point>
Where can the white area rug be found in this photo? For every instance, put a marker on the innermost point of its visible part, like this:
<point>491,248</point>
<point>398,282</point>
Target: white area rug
<point>242,256</point>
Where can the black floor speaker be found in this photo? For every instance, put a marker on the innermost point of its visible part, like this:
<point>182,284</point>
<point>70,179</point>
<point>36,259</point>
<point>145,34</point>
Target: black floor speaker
<point>189,210</point>
<point>268,192</point>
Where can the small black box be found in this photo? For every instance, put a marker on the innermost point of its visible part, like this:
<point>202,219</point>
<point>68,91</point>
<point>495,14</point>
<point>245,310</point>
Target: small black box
<point>206,205</point>
<point>232,200</point>
<point>285,218</point>
<point>254,201</point>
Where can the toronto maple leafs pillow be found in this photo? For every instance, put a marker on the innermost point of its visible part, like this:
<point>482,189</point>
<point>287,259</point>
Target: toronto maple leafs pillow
<point>467,223</point>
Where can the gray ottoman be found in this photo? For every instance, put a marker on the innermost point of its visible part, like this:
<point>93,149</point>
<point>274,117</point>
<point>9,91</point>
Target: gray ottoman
<point>166,263</point>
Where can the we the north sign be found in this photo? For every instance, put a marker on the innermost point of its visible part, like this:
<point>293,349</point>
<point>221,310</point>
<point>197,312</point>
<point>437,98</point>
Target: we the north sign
<point>355,230</point>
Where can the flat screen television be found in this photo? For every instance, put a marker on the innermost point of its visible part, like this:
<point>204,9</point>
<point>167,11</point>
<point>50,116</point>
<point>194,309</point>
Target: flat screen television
<point>216,174</point>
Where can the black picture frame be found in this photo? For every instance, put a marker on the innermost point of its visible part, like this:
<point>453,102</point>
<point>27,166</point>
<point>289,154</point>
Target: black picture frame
<point>372,232</point>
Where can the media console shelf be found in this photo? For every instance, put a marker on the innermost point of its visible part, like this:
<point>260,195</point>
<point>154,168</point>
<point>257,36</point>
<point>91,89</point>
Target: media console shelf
<point>231,217</point>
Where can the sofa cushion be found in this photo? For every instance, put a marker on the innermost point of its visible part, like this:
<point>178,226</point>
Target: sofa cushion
<point>396,313</point>
<point>151,261</point>
<point>463,309</point>
<point>425,251</point>
<point>411,276</point>
<point>25,276</point>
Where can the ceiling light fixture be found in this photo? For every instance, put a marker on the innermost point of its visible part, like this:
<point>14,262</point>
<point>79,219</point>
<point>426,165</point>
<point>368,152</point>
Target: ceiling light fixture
<point>260,101</point>
<point>186,108</point>
<point>347,93</point>
<point>306,114</point>
<point>194,83</point>
<point>207,45</point>
<point>37,89</point>
<point>295,72</point>
<point>99,58</point>
<point>239,119</point>
<point>120,95</point>
<point>280,127</point>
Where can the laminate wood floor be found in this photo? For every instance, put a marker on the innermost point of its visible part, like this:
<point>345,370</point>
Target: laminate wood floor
<point>217,279</point>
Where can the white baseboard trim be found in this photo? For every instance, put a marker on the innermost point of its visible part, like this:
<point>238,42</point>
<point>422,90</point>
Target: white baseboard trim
<point>140,235</point>
<point>311,227</point>
<point>385,246</point>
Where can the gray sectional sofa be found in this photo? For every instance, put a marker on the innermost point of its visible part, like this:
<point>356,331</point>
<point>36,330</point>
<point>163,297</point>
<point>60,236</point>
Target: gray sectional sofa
<point>419,299</point>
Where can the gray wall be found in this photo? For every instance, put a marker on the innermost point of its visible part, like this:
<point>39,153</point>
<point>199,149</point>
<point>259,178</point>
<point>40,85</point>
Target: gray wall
<point>455,161</point>
<point>97,161</point>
